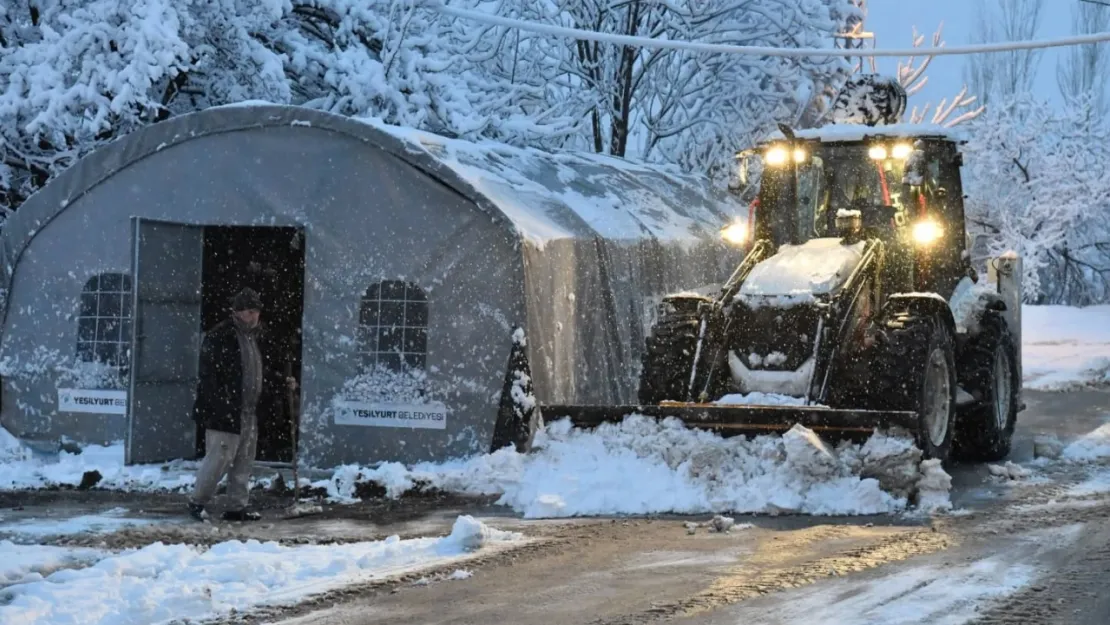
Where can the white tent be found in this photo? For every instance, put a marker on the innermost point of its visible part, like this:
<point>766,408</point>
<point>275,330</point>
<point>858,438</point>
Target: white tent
<point>393,264</point>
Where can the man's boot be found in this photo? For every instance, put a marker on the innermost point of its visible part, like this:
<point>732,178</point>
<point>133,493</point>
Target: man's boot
<point>197,511</point>
<point>241,515</point>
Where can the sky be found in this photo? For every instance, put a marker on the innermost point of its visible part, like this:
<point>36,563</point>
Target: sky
<point>893,21</point>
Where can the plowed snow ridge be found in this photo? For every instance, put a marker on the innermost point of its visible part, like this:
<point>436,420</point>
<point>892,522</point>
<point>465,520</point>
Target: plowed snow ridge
<point>643,466</point>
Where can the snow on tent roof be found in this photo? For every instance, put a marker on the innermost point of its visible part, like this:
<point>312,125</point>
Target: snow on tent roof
<point>859,132</point>
<point>550,195</point>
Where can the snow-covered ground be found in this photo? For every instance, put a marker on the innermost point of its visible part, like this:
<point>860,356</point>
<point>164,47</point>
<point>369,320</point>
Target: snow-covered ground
<point>26,529</point>
<point>22,469</point>
<point>162,583</point>
<point>1065,347</point>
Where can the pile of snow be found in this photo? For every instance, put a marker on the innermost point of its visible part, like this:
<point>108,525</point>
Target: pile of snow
<point>28,563</point>
<point>643,466</point>
<point>1064,347</point>
<point>11,450</point>
<point>1091,447</point>
<point>23,470</point>
<point>160,583</point>
<point>1009,471</point>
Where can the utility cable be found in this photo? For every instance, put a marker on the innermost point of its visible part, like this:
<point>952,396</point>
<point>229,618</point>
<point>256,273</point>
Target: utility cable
<point>718,48</point>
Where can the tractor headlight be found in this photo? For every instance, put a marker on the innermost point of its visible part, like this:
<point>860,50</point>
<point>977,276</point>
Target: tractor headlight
<point>927,232</point>
<point>877,153</point>
<point>902,151</point>
<point>735,233</point>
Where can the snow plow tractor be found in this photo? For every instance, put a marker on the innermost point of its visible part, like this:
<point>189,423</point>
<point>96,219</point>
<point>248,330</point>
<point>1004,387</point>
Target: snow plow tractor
<point>857,306</point>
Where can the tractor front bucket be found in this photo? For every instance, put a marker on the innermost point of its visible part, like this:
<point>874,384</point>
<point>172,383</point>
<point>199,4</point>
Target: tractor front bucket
<point>732,420</point>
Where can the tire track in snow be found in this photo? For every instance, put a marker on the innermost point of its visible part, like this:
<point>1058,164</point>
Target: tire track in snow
<point>782,564</point>
<point>1072,593</point>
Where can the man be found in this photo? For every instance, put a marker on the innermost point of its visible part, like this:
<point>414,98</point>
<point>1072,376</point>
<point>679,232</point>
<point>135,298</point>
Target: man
<point>233,375</point>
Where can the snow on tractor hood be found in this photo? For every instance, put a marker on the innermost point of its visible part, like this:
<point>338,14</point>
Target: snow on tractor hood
<point>798,274</point>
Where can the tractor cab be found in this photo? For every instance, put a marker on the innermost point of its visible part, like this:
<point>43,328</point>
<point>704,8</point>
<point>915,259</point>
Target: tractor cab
<point>899,184</point>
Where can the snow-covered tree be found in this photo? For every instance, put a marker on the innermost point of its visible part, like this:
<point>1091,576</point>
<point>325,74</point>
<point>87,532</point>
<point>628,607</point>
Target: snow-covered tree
<point>690,108</point>
<point>77,73</point>
<point>911,75</point>
<point>1037,185</point>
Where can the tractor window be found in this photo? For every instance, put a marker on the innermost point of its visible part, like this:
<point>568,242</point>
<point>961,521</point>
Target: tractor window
<point>854,180</point>
<point>831,178</point>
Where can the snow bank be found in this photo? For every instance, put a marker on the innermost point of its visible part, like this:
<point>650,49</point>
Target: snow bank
<point>23,470</point>
<point>162,583</point>
<point>1065,347</point>
<point>1093,446</point>
<point>11,450</point>
<point>27,563</point>
<point>643,466</point>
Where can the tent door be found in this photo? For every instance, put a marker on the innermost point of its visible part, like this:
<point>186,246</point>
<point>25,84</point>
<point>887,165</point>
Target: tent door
<point>166,269</point>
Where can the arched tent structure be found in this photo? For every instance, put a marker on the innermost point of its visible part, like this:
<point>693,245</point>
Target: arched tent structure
<point>393,266</point>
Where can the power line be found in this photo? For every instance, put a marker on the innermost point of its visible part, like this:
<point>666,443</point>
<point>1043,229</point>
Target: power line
<point>719,48</point>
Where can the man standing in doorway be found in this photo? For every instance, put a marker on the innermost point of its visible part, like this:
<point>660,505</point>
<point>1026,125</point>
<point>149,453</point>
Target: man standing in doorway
<point>233,375</point>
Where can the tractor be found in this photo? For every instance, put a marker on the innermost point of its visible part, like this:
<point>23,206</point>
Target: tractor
<point>857,306</point>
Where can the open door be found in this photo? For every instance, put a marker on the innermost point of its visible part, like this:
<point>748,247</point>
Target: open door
<point>166,266</point>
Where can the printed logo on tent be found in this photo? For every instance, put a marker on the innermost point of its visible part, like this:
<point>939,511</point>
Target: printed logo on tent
<point>431,416</point>
<point>92,401</point>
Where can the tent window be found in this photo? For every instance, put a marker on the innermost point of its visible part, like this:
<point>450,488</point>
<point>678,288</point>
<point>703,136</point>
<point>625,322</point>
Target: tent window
<point>104,325</point>
<point>393,326</point>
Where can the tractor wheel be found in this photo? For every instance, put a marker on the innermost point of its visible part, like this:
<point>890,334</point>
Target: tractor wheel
<point>668,358</point>
<point>917,372</point>
<point>990,374</point>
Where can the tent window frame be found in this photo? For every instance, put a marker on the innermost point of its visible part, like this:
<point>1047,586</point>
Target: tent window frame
<point>104,321</point>
<point>393,326</point>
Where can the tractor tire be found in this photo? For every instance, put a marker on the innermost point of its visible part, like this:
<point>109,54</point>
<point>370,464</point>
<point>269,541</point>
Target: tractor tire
<point>989,373</point>
<point>916,371</point>
<point>668,358</point>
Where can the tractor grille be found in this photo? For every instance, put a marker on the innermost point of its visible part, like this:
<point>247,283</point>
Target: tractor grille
<point>771,333</point>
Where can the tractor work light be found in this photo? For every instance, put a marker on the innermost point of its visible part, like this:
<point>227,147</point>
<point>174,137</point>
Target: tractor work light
<point>877,153</point>
<point>735,233</point>
<point>776,156</point>
<point>927,232</point>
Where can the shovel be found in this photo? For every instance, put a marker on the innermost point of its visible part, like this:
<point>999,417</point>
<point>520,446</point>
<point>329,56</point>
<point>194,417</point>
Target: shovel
<point>298,509</point>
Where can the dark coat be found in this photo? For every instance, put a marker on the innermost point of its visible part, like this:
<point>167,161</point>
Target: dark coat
<point>219,400</point>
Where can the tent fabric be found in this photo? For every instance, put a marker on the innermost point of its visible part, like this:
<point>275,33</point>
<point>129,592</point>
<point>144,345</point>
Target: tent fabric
<point>577,248</point>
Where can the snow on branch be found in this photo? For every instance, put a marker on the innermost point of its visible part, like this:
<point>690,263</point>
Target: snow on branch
<point>912,77</point>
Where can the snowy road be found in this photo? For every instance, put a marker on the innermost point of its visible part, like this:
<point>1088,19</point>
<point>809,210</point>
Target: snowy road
<point>1017,551</point>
